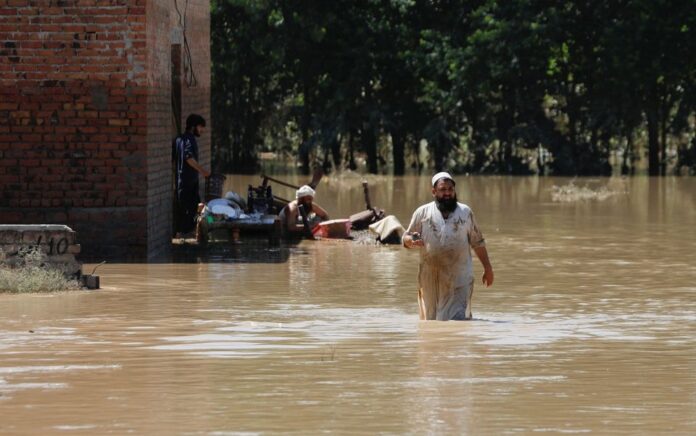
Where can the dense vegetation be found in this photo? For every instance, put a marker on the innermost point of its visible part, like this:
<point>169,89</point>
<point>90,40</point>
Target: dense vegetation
<point>507,86</point>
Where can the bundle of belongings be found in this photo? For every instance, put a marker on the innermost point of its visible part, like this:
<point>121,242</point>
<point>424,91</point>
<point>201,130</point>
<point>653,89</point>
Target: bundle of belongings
<point>339,228</point>
<point>230,207</point>
<point>388,230</point>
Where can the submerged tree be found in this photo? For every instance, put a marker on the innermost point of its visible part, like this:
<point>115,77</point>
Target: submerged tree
<point>489,86</point>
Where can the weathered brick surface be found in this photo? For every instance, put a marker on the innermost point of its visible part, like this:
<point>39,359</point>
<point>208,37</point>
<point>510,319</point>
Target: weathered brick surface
<point>86,116</point>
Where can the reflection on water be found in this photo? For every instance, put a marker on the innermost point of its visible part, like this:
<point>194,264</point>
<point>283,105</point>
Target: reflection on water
<point>589,327</point>
<point>252,249</point>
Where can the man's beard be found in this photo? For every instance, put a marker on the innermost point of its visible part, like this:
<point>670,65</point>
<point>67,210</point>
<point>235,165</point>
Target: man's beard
<point>307,207</point>
<point>446,205</point>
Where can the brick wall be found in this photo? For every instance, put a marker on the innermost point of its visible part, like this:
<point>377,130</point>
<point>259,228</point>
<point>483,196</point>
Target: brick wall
<point>85,119</point>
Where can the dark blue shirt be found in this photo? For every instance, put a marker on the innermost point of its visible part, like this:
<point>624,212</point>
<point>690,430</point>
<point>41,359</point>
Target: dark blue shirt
<point>186,148</point>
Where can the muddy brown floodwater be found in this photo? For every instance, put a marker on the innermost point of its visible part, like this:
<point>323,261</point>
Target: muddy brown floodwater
<point>590,327</point>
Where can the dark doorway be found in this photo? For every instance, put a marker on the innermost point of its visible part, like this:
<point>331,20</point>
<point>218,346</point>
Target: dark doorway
<point>176,124</point>
<point>176,89</point>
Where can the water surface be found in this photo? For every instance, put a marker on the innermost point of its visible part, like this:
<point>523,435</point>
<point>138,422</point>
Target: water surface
<point>589,327</point>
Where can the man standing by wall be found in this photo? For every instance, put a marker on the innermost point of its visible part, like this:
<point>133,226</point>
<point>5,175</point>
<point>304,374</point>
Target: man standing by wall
<point>187,170</point>
<point>444,230</point>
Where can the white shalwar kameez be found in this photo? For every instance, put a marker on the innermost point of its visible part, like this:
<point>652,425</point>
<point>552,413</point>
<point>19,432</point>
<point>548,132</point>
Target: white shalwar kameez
<point>445,275</point>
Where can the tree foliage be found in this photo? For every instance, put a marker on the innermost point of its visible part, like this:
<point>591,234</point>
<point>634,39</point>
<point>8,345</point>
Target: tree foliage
<point>507,87</point>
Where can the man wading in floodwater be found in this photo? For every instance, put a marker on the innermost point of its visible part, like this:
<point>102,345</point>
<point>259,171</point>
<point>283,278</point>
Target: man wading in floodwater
<point>444,230</point>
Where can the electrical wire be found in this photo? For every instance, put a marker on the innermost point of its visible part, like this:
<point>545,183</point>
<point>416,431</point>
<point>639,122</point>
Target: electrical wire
<point>189,73</point>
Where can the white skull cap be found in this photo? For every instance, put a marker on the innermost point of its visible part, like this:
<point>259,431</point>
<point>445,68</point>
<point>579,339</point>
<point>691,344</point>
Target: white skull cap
<point>304,191</point>
<point>442,175</point>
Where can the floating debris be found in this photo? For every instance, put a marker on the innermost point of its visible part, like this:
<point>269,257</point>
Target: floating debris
<point>364,237</point>
<point>349,180</point>
<point>572,193</point>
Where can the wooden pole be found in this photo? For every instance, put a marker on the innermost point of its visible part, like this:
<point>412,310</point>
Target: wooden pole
<point>280,182</point>
<point>366,191</point>
<point>316,178</point>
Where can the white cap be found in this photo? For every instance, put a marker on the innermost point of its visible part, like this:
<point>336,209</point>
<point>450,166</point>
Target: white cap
<point>442,175</point>
<point>304,191</point>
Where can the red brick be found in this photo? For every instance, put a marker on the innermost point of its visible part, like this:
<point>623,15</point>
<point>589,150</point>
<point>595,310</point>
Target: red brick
<point>76,122</point>
<point>119,122</point>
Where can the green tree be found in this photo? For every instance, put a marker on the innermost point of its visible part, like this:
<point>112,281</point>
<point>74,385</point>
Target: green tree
<point>486,83</point>
<point>248,78</point>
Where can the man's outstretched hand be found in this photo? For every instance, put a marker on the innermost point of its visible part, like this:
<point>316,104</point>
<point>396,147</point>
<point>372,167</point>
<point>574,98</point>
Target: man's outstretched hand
<point>413,240</point>
<point>487,278</point>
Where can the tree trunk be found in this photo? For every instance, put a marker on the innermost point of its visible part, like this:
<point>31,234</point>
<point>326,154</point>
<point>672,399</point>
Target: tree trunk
<point>437,150</point>
<point>351,155</point>
<point>572,166</point>
<point>304,128</point>
<point>222,146</point>
<point>336,152</point>
<point>326,163</point>
<point>416,154</point>
<point>507,156</point>
<point>398,153</point>
<point>245,143</point>
<point>505,122</point>
<point>653,139</point>
<point>663,143</point>
<point>627,164</point>
<point>369,143</point>
<point>239,120</point>
<point>304,149</point>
